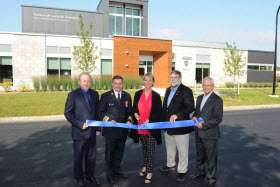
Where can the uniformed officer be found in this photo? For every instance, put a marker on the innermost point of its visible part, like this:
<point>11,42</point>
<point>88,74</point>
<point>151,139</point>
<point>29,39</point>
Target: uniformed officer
<point>115,106</point>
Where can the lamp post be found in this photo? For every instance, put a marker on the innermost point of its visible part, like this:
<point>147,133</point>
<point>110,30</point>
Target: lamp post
<point>275,54</point>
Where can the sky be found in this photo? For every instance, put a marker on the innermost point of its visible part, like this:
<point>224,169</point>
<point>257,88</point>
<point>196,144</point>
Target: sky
<point>249,23</point>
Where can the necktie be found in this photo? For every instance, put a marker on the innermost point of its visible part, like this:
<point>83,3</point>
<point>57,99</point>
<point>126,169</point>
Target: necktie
<point>119,98</point>
<point>87,100</point>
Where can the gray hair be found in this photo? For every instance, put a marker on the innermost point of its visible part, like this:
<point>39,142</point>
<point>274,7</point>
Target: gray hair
<point>210,78</point>
<point>84,73</point>
<point>176,72</point>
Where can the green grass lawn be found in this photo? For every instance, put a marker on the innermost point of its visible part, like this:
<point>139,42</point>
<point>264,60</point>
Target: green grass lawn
<point>53,103</point>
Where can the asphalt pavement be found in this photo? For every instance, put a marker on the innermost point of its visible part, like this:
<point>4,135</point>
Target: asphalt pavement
<point>40,154</point>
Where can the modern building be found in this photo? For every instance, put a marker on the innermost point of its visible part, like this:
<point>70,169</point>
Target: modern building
<point>121,34</point>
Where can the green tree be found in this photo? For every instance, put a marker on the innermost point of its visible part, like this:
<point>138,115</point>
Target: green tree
<point>233,62</point>
<point>85,55</point>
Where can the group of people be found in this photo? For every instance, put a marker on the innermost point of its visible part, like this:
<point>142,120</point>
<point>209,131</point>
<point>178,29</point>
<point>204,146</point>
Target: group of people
<point>116,105</point>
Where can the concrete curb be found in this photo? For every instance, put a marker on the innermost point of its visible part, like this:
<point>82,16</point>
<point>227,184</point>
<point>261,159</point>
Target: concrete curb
<point>61,117</point>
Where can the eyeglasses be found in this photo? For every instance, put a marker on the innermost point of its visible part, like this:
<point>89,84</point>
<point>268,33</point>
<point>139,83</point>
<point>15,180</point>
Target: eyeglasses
<point>174,77</point>
<point>207,85</point>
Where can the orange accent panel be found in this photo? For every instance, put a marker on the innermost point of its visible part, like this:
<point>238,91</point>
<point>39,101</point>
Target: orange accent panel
<point>160,49</point>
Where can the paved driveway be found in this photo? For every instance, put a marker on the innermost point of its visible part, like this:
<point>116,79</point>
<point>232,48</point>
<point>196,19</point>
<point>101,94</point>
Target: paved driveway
<point>41,154</point>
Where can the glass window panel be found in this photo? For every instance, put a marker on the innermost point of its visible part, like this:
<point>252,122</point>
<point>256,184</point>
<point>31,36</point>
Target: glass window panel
<point>149,69</point>
<point>136,23</point>
<point>52,72</point>
<point>173,64</point>
<point>112,9</point>
<point>141,71</point>
<point>251,67</point>
<point>206,65</point>
<point>198,65</point>
<point>6,60</point>
<point>206,72</point>
<point>198,75</point>
<point>128,11</point>
<point>53,63</point>
<point>111,25</point>
<point>142,62</point>
<point>6,73</point>
<point>119,25</point>
<point>136,12</point>
<point>266,68</point>
<point>128,26</point>
<point>65,63</point>
<point>65,73</point>
<point>119,10</point>
<point>106,67</point>
<point>149,63</point>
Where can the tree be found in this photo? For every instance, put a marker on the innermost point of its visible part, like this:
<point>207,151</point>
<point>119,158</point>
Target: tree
<point>85,55</point>
<point>233,62</point>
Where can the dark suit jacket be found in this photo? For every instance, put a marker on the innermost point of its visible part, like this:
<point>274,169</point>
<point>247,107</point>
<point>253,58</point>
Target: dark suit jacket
<point>77,112</point>
<point>182,104</point>
<point>109,108</point>
<point>212,114</point>
<point>154,115</point>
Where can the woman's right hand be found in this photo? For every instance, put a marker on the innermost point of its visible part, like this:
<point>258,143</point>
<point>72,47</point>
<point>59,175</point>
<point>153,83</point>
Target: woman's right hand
<point>137,116</point>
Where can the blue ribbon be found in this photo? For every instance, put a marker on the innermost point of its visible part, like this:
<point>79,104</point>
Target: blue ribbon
<point>156,125</point>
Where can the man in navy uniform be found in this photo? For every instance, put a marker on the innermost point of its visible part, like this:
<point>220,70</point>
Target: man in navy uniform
<point>115,106</point>
<point>81,105</point>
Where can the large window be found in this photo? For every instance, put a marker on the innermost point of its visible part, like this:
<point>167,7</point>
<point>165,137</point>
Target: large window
<point>6,69</point>
<point>133,21</point>
<point>59,66</point>
<point>202,70</point>
<point>145,67</point>
<point>106,67</point>
<point>115,20</point>
<point>173,66</point>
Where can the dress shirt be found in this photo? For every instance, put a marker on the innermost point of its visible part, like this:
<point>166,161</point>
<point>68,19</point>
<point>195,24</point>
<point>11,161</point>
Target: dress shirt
<point>84,93</point>
<point>116,94</point>
<point>204,99</point>
<point>172,92</point>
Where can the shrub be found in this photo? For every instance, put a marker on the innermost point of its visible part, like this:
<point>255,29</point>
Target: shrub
<point>51,81</point>
<point>96,83</point>
<point>229,85</point>
<point>57,85</point>
<point>44,84</point>
<point>70,84</point>
<point>64,83</point>
<point>36,84</point>
<point>76,83</point>
<point>7,86</point>
<point>23,87</point>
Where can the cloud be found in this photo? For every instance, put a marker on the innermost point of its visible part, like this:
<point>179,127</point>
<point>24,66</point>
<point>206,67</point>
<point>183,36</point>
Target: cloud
<point>260,37</point>
<point>168,33</point>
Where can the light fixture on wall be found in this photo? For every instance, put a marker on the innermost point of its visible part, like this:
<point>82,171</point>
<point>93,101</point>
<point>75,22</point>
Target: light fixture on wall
<point>127,52</point>
<point>126,65</point>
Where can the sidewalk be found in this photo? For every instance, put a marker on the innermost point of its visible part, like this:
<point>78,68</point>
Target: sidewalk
<point>61,117</point>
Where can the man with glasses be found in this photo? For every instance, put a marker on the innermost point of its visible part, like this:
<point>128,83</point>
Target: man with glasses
<point>209,107</point>
<point>178,104</point>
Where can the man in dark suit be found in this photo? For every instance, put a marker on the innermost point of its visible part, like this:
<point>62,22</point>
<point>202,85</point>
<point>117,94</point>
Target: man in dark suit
<point>209,107</point>
<point>81,105</point>
<point>178,104</point>
<point>115,106</point>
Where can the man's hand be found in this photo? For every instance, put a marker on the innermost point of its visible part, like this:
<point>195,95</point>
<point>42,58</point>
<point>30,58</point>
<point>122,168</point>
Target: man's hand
<point>137,116</point>
<point>173,118</point>
<point>114,121</point>
<point>85,126</point>
<point>195,118</point>
<point>128,122</point>
<point>147,121</point>
<point>97,133</point>
<point>199,125</point>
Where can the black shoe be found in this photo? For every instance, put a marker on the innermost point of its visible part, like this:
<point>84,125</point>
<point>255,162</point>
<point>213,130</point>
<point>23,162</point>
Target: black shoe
<point>166,168</point>
<point>93,180</point>
<point>113,183</point>
<point>81,183</point>
<point>211,184</point>
<point>181,177</point>
<point>121,174</point>
<point>197,176</point>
